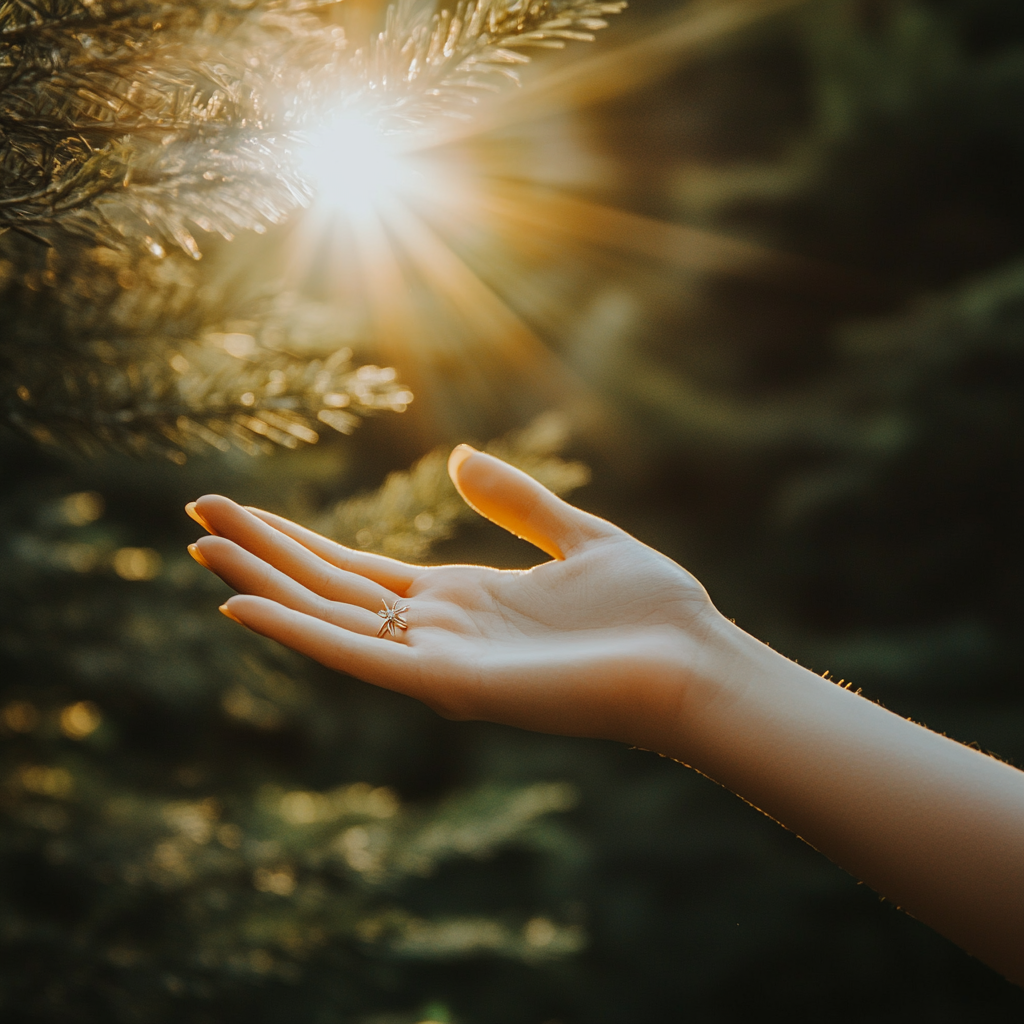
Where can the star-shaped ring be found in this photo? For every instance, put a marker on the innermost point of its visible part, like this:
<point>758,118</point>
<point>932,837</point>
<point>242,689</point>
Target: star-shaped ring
<point>392,617</point>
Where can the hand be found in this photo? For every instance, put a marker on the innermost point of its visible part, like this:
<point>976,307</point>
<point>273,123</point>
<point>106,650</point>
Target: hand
<point>613,640</point>
<point>603,641</point>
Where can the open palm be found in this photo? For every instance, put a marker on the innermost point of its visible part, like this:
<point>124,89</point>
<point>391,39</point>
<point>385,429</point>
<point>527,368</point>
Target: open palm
<point>576,645</point>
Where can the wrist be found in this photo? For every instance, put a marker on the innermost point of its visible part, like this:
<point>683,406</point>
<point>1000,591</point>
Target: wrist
<point>713,679</point>
<point>695,673</point>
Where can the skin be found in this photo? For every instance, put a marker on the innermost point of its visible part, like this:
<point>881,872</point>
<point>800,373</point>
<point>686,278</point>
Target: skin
<point>613,640</point>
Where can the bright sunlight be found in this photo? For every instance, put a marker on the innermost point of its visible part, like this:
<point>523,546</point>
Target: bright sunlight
<point>420,208</point>
<point>352,165</point>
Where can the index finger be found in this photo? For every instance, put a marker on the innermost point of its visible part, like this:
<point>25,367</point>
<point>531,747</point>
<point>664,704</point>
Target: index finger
<point>388,572</point>
<point>290,554</point>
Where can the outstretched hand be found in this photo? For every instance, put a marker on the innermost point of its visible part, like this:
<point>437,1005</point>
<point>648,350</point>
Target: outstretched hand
<point>613,640</point>
<point>588,644</point>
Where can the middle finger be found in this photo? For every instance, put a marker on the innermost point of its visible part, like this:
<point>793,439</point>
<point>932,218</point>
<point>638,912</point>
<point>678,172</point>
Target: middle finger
<point>247,574</point>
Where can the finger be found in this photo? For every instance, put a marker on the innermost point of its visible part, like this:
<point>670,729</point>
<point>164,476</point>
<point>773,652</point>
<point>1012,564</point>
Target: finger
<point>193,513</point>
<point>229,519</point>
<point>244,572</point>
<point>388,572</point>
<point>376,661</point>
<point>521,505</point>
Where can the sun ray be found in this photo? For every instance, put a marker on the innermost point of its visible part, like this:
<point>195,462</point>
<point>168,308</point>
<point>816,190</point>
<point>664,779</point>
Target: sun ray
<point>387,293</point>
<point>406,195</point>
<point>519,207</point>
<point>661,50</point>
<point>483,310</point>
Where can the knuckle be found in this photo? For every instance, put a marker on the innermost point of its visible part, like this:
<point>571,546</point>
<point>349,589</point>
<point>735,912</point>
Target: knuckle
<point>216,546</point>
<point>324,581</point>
<point>326,609</point>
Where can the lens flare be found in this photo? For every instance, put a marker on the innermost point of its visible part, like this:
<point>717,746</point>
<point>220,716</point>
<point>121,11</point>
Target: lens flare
<point>436,231</point>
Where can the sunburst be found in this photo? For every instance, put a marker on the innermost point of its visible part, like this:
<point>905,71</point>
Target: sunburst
<point>401,172</point>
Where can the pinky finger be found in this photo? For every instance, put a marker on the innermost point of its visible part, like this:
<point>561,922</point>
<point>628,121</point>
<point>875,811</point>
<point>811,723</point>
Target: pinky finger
<point>382,662</point>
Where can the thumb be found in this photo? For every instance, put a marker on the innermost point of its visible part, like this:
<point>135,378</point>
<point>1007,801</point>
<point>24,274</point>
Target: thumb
<point>516,502</point>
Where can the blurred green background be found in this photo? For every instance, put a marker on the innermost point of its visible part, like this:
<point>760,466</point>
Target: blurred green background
<point>201,827</point>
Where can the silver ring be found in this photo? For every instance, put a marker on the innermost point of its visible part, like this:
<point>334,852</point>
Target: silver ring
<point>392,617</point>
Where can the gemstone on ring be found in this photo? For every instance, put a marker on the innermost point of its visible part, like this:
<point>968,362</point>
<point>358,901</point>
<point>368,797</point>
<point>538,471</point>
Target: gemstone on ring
<point>392,617</point>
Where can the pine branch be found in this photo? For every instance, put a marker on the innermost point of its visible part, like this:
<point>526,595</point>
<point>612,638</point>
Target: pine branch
<point>199,399</point>
<point>139,354</point>
<point>425,66</point>
<point>248,882</point>
<point>134,120</point>
<point>123,126</point>
<point>131,119</point>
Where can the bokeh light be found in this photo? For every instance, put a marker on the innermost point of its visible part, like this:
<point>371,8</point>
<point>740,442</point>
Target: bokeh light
<point>80,720</point>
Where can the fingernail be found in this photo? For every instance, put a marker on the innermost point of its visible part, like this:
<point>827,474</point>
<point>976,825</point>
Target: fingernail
<point>225,610</point>
<point>193,550</point>
<point>458,457</point>
<point>193,513</point>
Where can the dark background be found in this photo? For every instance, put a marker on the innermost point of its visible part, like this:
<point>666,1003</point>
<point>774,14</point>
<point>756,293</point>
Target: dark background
<point>836,452</point>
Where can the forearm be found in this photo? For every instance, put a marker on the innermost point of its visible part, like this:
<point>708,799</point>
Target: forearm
<point>934,826</point>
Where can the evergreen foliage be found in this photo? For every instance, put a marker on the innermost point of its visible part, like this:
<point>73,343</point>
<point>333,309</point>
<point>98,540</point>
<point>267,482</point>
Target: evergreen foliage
<point>199,879</point>
<point>129,120</point>
<point>107,349</point>
<point>125,126</point>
